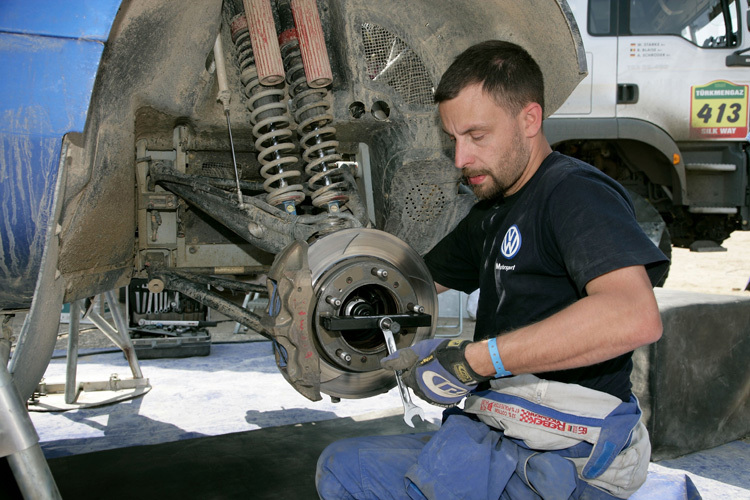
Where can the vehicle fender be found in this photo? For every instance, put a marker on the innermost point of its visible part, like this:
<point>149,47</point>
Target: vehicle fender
<point>49,56</point>
<point>558,130</point>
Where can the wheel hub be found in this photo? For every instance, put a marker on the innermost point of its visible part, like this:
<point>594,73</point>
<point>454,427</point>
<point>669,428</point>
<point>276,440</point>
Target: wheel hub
<point>353,273</point>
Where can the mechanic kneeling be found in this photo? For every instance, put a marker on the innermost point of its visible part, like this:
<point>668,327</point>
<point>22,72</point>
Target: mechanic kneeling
<point>565,277</point>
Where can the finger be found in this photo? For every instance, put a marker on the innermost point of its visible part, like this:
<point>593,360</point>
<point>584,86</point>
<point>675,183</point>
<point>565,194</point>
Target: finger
<point>391,357</point>
<point>395,364</point>
<point>399,360</point>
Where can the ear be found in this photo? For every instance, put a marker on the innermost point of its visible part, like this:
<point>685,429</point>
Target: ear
<point>531,119</point>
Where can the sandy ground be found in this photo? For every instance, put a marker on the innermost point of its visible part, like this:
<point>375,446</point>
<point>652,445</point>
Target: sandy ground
<point>713,272</point>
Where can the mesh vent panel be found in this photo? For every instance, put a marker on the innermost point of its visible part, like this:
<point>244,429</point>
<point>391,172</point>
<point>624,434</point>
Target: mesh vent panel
<point>219,170</point>
<point>219,164</point>
<point>391,61</point>
<point>425,203</point>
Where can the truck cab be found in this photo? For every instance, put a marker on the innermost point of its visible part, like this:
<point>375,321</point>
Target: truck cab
<point>664,110</point>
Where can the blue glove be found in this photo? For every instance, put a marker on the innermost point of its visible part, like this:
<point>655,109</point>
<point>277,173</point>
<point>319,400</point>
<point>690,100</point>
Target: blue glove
<point>436,370</point>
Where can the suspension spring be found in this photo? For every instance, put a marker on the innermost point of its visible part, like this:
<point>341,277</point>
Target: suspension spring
<point>317,135</point>
<point>271,127</point>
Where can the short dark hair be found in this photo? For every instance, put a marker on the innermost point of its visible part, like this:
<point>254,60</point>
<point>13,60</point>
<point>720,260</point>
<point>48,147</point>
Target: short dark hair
<point>506,71</point>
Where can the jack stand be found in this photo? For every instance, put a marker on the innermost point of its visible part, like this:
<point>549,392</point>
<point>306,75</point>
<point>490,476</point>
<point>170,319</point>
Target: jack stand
<point>20,443</point>
<point>89,394</point>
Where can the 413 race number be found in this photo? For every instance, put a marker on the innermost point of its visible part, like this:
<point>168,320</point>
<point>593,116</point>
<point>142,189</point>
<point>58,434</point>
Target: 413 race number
<point>718,110</point>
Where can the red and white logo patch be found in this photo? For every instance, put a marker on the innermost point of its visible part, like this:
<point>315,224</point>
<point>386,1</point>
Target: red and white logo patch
<point>502,410</point>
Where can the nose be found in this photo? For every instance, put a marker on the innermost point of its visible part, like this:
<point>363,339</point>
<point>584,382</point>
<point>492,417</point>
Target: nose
<point>461,156</point>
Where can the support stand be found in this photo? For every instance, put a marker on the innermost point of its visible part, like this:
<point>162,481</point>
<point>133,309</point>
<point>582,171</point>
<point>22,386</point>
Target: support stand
<point>72,394</point>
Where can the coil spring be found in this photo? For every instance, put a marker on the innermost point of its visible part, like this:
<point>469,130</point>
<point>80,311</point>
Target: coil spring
<point>317,136</point>
<point>271,126</point>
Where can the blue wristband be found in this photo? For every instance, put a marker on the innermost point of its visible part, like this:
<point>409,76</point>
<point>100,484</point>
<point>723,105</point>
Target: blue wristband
<point>499,368</point>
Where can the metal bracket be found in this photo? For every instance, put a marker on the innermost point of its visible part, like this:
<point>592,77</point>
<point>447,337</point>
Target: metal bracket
<point>342,323</point>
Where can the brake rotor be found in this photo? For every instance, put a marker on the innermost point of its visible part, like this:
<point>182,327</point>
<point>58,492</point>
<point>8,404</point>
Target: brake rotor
<point>372,273</point>
<point>352,273</point>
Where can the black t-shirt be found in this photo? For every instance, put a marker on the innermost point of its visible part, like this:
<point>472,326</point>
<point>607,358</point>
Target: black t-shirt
<point>531,254</point>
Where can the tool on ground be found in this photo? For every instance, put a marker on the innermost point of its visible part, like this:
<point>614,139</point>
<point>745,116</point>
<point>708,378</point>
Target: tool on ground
<point>388,326</point>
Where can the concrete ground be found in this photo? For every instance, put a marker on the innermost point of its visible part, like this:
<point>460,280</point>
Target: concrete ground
<point>228,426</point>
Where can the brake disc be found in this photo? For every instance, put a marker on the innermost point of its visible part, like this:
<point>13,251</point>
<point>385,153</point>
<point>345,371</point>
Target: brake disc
<point>350,273</point>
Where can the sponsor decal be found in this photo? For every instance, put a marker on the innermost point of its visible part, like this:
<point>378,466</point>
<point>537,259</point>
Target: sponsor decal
<point>718,110</point>
<point>437,384</point>
<point>426,360</point>
<point>462,373</point>
<point>511,242</point>
<point>529,417</point>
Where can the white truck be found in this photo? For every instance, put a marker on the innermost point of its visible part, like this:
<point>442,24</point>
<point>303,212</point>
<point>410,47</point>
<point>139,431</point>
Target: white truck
<point>664,110</point>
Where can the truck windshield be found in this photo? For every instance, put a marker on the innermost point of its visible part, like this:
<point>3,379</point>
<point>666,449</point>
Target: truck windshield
<point>706,23</point>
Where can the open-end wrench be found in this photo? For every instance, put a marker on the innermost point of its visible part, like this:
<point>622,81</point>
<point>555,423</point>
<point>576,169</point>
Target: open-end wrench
<point>410,409</point>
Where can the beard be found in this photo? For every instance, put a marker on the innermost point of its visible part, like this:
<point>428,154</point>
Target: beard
<point>505,172</point>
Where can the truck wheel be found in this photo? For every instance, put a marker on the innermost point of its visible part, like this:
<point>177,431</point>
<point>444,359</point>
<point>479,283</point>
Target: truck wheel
<point>654,226</point>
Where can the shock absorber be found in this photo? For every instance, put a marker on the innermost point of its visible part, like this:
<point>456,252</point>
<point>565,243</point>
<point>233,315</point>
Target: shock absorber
<point>310,105</point>
<point>271,126</point>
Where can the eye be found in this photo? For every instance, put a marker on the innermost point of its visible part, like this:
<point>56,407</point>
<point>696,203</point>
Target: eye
<point>477,137</point>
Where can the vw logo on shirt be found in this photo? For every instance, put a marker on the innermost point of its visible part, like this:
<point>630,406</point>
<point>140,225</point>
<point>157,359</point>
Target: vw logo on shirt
<point>511,242</point>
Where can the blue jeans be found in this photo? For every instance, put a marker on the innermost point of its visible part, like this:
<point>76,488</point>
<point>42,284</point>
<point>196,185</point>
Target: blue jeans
<point>371,467</point>
<point>465,459</point>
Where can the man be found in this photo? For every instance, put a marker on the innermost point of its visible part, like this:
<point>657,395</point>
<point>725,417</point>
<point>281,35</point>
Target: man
<point>565,277</point>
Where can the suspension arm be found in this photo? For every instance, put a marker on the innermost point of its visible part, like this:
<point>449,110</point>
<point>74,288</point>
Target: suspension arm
<point>173,281</point>
<point>251,224</point>
<point>256,222</point>
<point>222,283</point>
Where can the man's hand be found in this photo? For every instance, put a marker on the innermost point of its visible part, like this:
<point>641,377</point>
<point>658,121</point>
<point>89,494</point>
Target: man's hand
<point>436,370</point>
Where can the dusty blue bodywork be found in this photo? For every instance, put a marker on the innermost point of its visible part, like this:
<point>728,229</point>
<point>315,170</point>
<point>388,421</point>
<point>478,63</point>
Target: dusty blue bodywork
<point>49,56</point>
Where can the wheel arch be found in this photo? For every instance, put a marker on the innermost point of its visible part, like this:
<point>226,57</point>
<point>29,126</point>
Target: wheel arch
<point>623,131</point>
